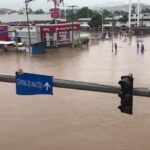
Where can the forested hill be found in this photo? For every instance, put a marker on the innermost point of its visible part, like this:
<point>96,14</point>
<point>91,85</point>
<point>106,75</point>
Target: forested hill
<point>120,7</point>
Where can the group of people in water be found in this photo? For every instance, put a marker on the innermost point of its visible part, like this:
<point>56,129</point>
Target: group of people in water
<point>119,33</point>
<point>140,46</point>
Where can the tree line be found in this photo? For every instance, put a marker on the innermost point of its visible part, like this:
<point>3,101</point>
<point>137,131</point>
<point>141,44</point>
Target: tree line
<point>85,12</point>
<point>96,16</point>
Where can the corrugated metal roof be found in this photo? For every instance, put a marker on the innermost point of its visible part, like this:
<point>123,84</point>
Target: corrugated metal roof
<point>114,18</point>
<point>84,19</point>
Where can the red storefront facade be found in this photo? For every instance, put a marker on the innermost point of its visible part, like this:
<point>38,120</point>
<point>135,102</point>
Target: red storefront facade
<point>57,34</point>
<point>52,35</point>
<point>4,33</point>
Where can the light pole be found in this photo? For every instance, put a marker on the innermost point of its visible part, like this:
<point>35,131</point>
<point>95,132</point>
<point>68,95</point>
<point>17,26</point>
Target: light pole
<point>102,18</point>
<point>112,34</point>
<point>129,14</point>
<point>29,35</point>
<point>73,6</point>
<point>138,19</point>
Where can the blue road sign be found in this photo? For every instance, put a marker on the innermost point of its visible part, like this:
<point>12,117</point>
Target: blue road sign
<point>31,84</point>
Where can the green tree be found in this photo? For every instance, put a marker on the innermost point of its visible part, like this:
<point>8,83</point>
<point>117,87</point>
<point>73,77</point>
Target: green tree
<point>69,14</point>
<point>62,13</point>
<point>39,11</point>
<point>106,13</point>
<point>30,11</point>
<point>84,12</point>
<point>145,10</point>
<point>133,11</point>
<point>96,21</point>
<point>124,18</point>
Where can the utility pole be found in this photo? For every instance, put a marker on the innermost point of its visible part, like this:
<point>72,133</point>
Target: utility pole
<point>112,34</point>
<point>102,18</point>
<point>73,6</point>
<point>138,19</point>
<point>27,14</point>
<point>65,15</point>
<point>129,13</point>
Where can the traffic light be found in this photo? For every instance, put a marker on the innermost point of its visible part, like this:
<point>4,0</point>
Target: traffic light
<point>126,94</point>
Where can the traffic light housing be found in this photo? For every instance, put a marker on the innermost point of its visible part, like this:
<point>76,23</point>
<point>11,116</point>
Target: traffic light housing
<point>126,94</point>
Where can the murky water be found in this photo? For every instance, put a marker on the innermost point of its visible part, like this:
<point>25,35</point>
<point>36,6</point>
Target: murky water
<point>72,119</point>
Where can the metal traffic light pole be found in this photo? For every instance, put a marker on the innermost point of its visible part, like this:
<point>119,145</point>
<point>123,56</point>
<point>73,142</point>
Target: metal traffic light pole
<point>126,91</point>
<point>79,85</point>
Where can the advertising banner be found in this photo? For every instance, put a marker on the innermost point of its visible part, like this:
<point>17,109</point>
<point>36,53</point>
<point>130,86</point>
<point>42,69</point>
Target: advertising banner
<point>62,28</point>
<point>63,37</point>
<point>55,13</point>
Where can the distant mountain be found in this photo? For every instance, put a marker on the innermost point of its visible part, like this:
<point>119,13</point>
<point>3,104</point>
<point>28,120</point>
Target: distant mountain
<point>5,10</point>
<point>111,6</point>
<point>124,7</point>
<point>108,4</point>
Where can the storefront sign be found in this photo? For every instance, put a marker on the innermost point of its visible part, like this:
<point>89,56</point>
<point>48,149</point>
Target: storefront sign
<point>55,13</point>
<point>63,37</point>
<point>58,28</point>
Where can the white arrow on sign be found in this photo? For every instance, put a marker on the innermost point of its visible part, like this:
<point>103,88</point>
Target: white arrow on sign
<point>47,86</point>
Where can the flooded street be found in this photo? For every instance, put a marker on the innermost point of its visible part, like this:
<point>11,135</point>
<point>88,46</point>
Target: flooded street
<point>73,119</point>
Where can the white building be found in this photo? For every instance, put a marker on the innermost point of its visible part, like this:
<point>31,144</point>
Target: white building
<point>22,18</point>
<point>143,18</point>
<point>84,23</point>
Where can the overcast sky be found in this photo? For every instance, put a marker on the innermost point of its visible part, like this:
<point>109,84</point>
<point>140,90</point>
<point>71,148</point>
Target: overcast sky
<point>36,4</point>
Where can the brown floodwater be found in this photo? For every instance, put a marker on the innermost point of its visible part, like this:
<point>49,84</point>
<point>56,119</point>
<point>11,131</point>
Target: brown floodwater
<point>73,119</point>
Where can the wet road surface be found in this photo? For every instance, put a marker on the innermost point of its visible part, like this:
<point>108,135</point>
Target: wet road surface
<point>73,119</point>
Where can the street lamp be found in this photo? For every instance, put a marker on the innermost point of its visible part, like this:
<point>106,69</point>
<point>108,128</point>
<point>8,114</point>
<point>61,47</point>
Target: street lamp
<point>26,7</point>
<point>102,18</point>
<point>129,17</point>
<point>138,18</point>
<point>73,6</point>
<point>112,29</point>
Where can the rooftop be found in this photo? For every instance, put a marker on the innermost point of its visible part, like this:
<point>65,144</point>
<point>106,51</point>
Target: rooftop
<point>84,19</point>
<point>15,17</point>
